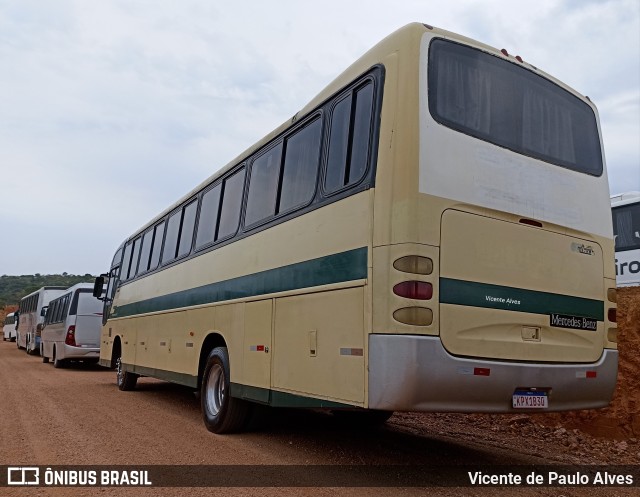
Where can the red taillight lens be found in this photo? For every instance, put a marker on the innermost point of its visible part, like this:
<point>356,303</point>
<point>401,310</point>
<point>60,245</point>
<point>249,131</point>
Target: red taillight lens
<point>418,290</point>
<point>612,315</point>
<point>70,339</point>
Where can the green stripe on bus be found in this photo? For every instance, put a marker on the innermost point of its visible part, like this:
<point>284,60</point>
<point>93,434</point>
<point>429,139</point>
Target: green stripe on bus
<point>335,268</point>
<point>473,294</point>
<point>255,394</point>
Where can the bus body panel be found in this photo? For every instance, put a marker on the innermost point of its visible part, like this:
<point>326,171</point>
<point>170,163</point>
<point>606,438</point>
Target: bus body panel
<point>160,343</point>
<point>413,373</point>
<point>258,344</point>
<point>512,291</point>
<point>320,345</point>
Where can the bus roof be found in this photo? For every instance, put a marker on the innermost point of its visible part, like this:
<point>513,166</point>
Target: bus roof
<point>44,288</point>
<point>625,199</point>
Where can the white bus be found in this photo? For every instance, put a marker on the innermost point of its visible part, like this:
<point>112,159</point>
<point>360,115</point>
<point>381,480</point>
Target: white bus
<point>72,327</point>
<point>626,231</point>
<point>432,232</point>
<point>31,317</point>
<point>9,329</point>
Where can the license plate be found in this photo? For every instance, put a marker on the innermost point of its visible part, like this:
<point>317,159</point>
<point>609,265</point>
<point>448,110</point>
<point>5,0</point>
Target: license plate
<point>530,399</point>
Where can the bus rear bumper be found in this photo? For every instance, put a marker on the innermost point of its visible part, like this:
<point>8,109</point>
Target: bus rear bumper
<point>81,353</point>
<point>416,373</point>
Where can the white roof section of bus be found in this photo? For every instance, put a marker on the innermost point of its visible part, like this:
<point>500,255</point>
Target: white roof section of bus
<point>44,288</point>
<point>625,198</point>
<point>79,286</point>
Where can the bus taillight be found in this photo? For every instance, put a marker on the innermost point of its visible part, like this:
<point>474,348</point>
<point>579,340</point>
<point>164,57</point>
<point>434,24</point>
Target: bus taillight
<point>612,315</point>
<point>414,264</point>
<point>418,290</point>
<point>70,339</point>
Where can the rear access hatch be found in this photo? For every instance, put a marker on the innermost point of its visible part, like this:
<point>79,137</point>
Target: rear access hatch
<point>511,291</point>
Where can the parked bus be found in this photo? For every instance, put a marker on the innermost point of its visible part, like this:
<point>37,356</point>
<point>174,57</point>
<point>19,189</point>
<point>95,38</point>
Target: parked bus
<point>31,317</point>
<point>626,232</point>
<point>9,329</point>
<point>432,232</point>
<point>72,327</point>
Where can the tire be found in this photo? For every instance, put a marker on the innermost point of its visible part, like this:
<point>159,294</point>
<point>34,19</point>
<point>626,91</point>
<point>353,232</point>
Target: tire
<point>221,412</point>
<point>58,363</point>
<point>45,359</point>
<point>125,380</point>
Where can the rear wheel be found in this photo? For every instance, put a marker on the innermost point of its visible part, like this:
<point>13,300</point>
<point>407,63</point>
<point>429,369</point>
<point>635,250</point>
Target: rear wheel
<point>126,380</point>
<point>58,363</point>
<point>221,412</point>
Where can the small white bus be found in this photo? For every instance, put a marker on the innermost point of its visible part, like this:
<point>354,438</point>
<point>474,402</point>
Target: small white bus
<point>72,327</point>
<point>625,209</point>
<point>30,317</point>
<point>9,328</point>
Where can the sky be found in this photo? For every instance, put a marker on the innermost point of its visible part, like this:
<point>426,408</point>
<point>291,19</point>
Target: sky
<point>112,110</point>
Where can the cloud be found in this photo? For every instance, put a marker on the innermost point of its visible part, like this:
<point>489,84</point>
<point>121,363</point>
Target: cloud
<point>118,108</point>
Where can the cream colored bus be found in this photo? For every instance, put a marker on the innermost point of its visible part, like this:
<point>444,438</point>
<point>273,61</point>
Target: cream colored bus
<point>432,232</point>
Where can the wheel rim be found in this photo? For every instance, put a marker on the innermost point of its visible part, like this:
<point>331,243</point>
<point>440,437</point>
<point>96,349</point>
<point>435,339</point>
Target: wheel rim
<point>215,390</point>
<point>119,372</point>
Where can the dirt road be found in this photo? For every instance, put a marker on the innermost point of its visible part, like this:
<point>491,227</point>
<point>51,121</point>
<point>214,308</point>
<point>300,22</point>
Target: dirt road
<point>77,416</point>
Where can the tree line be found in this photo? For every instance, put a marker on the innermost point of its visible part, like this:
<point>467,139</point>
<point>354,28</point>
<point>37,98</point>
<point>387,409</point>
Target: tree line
<point>13,288</point>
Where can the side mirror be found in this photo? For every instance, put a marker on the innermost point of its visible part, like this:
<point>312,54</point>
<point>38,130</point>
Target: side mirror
<point>43,311</point>
<point>98,287</point>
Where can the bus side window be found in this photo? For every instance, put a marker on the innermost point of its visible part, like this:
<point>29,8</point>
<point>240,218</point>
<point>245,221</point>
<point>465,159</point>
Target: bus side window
<point>134,258</point>
<point>171,240</point>
<point>145,251</point>
<point>209,209</point>
<point>263,186</point>
<point>349,139</point>
<point>158,235</point>
<point>186,230</point>
<point>126,261</point>
<point>231,205</point>
<point>300,166</point>
<point>65,311</point>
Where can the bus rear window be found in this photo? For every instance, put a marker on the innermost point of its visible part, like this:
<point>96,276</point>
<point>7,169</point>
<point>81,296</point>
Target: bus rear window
<point>626,227</point>
<point>497,101</point>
